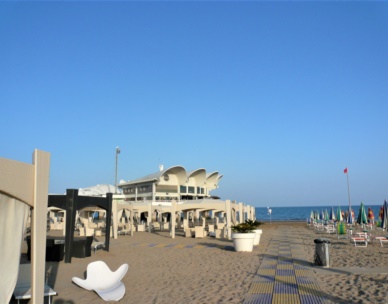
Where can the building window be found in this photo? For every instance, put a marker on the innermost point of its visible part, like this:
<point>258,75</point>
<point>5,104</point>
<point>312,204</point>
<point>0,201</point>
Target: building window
<point>191,189</point>
<point>183,189</point>
<point>130,190</point>
<point>144,188</point>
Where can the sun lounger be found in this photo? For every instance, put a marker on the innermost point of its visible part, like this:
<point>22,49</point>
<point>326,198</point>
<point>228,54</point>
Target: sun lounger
<point>23,286</point>
<point>330,229</point>
<point>359,241</point>
<point>97,245</point>
<point>381,239</point>
<point>125,230</point>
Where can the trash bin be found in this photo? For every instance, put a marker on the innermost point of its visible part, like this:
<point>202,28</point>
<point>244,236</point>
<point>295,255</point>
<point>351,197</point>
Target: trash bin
<point>322,256</point>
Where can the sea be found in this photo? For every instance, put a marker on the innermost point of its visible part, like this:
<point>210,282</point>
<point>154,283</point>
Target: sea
<point>299,214</point>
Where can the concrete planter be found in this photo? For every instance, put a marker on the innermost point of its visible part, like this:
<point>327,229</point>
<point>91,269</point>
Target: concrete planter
<point>258,233</point>
<point>243,241</point>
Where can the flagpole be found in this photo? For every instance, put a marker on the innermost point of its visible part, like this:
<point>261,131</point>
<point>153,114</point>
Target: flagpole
<point>347,179</point>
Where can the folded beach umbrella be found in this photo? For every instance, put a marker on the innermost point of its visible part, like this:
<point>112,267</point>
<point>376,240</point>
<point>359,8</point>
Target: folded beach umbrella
<point>312,215</point>
<point>332,214</point>
<point>361,219</point>
<point>371,216</point>
<point>322,215</point>
<point>339,214</point>
<point>381,213</point>
<point>350,216</point>
<point>326,214</point>
<point>384,220</point>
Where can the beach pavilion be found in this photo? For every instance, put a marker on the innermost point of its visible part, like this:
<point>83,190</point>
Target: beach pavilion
<point>176,197</point>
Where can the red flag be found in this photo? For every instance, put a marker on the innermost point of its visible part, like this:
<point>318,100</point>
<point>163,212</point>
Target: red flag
<point>346,170</point>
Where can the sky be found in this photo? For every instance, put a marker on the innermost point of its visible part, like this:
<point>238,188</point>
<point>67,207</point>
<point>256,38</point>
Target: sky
<point>278,97</point>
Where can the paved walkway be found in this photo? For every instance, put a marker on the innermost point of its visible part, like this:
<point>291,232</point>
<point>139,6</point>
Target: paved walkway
<point>284,275</point>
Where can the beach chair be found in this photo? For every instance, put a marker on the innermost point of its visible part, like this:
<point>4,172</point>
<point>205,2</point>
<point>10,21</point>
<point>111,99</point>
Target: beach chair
<point>124,230</point>
<point>330,229</point>
<point>383,241</point>
<point>359,241</point>
<point>97,245</point>
<point>189,232</point>
<point>106,283</point>
<point>23,285</point>
<point>341,231</point>
<point>199,232</point>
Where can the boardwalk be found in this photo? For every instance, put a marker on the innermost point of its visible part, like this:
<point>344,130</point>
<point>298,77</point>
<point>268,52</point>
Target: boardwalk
<point>284,276</point>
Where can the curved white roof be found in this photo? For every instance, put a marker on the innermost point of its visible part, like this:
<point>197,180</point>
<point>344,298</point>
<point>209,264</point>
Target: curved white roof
<point>199,175</point>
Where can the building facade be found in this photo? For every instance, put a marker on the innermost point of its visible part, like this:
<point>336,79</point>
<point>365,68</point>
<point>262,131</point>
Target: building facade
<point>174,183</point>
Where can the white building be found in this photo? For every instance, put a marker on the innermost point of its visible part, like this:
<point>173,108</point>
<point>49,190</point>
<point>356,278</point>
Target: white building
<point>174,183</point>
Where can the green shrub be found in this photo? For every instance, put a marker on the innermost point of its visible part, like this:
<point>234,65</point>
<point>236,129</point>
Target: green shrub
<point>242,228</point>
<point>254,224</point>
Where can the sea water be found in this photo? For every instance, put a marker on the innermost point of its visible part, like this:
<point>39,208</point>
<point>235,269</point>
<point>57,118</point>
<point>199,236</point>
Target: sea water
<point>303,213</point>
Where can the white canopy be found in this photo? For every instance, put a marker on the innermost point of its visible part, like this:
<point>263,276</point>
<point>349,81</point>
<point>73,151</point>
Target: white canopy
<point>99,190</point>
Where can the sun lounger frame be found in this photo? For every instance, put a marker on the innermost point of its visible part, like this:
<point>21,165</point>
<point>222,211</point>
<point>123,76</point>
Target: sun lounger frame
<point>359,240</point>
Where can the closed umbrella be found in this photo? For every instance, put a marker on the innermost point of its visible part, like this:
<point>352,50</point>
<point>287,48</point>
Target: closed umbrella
<point>384,220</point>
<point>371,216</point>
<point>361,219</point>
<point>350,216</point>
<point>326,216</point>
<point>339,214</point>
<point>332,214</point>
<point>381,213</point>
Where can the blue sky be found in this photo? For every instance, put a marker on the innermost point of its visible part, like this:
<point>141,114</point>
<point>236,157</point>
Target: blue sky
<point>279,97</point>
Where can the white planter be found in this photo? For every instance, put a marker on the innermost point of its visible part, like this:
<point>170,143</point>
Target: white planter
<point>243,241</point>
<point>258,233</point>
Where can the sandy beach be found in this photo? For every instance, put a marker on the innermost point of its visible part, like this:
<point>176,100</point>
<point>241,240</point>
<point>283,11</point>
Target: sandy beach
<point>207,270</point>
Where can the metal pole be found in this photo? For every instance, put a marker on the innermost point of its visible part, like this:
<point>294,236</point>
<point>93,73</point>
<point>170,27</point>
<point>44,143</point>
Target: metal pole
<point>347,178</point>
<point>117,156</point>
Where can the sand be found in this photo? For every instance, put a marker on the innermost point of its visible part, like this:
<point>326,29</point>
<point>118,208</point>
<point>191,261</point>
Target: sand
<point>186,270</point>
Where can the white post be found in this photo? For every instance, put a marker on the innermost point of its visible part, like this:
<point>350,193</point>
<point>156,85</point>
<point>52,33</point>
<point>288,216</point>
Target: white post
<point>41,162</point>
<point>172,218</point>
<point>132,216</point>
<point>149,218</point>
<point>228,219</point>
<point>241,213</point>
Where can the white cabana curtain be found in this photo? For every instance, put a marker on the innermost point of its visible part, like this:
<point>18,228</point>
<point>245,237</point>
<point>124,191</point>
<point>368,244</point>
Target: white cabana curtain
<point>13,220</point>
<point>128,215</point>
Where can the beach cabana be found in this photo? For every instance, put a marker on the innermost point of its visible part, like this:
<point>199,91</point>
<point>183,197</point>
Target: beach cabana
<point>23,186</point>
<point>72,202</point>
